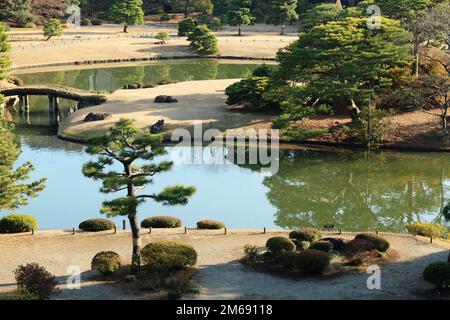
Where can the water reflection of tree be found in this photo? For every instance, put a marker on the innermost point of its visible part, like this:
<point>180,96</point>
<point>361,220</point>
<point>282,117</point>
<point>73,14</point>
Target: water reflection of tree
<point>355,193</point>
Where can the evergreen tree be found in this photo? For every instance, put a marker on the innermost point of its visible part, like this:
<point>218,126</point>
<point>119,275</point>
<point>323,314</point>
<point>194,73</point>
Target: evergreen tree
<point>240,17</point>
<point>128,12</point>
<point>283,11</point>
<point>14,180</point>
<point>5,63</point>
<point>52,28</point>
<point>125,145</point>
<point>341,63</point>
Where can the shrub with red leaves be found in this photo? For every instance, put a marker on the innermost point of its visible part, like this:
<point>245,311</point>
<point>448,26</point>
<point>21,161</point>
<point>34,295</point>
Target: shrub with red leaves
<point>36,280</point>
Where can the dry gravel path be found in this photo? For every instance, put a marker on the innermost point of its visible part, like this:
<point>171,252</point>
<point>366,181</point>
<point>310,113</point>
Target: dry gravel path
<point>221,275</point>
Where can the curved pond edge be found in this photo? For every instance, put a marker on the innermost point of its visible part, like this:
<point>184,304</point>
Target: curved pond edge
<point>128,60</point>
<point>306,143</point>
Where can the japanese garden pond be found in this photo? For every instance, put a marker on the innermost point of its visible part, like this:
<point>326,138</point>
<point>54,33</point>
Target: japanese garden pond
<point>311,188</point>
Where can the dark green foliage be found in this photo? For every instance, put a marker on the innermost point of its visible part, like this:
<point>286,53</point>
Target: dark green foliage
<point>5,62</point>
<point>86,22</point>
<point>307,234</point>
<point>446,212</point>
<point>210,225</point>
<point>127,11</point>
<point>215,24</point>
<point>169,256</point>
<point>96,22</point>
<point>14,192</point>
<point>16,223</point>
<point>249,92</point>
<point>240,17</point>
<point>161,222</point>
<point>380,243</point>
<point>325,246</point>
<point>281,12</point>
<point>95,225</point>
<point>186,26</point>
<point>203,40</point>
<point>312,261</point>
<point>106,262</point>
<point>278,245</point>
<point>262,71</point>
<point>34,279</point>
<point>438,273</point>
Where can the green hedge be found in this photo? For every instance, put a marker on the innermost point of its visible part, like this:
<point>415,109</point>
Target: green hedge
<point>380,243</point>
<point>106,262</point>
<point>312,261</point>
<point>278,245</point>
<point>325,246</point>
<point>438,273</point>
<point>168,255</point>
<point>210,225</point>
<point>16,223</point>
<point>161,222</point>
<point>96,225</point>
<point>307,234</point>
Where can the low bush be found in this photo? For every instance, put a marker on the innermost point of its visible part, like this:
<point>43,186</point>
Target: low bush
<point>251,252</point>
<point>325,246</point>
<point>380,243</point>
<point>166,81</point>
<point>16,223</point>
<point>203,40</point>
<point>427,229</point>
<point>35,280</point>
<point>357,258</point>
<point>186,26</point>
<point>179,283</point>
<point>168,256</point>
<point>307,234</point>
<point>166,222</point>
<point>312,261</point>
<point>214,24</point>
<point>438,273</point>
<point>5,26</point>
<point>210,225</point>
<point>249,92</point>
<point>97,22</point>
<point>96,225</point>
<point>86,22</point>
<point>106,262</point>
<point>278,245</point>
<point>338,244</point>
<point>262,71</point>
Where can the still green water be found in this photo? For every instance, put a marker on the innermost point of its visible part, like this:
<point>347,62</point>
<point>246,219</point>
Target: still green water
<point>311,188</point>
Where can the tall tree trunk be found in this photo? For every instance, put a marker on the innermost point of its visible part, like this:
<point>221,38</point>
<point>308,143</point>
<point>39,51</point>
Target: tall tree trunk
<point>240,30</point>
<point>187,9</point>
<point>416,59</point>
<point>135,230</point>
<point>444,128</point>
<point>125,28</point>
<point>283,28</point>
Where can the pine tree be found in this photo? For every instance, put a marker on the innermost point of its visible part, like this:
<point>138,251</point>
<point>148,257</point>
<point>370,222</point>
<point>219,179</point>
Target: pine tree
<point>14,180</point>
<point>283,11</point>
<point>125,144</point>
<point>5,63</point>
<point>128,12</point>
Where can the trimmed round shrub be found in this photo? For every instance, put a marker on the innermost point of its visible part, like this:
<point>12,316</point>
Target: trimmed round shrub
<point>210,225</point>
<point>278,245</point>
<point>312,261</point>
<point>380,243</point>
<point>338,244</point>
<point>106,262</point>
<point>287,259</point>
<point>307,234</point>
<point>302,245</point>
<point>427,229</point>
<point>161,222</point>
<point>325,246</point>
<point>168,255</point>
<point>438,273</point>
<point>16,223</point>
<point>96,225</point>
<point>86,22</point>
